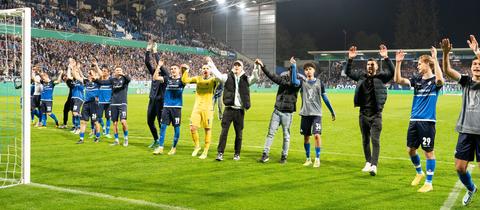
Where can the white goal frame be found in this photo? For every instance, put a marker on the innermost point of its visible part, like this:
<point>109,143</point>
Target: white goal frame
<point>25,14</point>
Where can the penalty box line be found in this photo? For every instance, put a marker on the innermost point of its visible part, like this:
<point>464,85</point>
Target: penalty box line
<point>107,196</point>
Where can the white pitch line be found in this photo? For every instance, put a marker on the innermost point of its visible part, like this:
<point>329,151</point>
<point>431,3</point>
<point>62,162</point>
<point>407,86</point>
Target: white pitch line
<point>323,152</point>
<point>106,196</point>
<point>452,197</point>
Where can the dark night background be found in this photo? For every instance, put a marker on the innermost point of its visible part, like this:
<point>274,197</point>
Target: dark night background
<point>320,24</point>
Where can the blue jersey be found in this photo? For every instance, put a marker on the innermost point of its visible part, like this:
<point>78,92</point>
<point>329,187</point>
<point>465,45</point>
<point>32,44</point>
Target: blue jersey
<point>77,91</point>
<point>105,94</point>
<point>47,92</point>
<point>91,90</point>
<point>425,98</point>
<point>173,93</point>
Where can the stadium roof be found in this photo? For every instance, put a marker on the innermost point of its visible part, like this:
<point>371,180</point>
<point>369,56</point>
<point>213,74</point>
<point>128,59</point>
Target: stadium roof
<point>411,54</point>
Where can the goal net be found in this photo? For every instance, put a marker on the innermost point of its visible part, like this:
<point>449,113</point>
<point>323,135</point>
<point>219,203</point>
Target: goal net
<point>15,44</point>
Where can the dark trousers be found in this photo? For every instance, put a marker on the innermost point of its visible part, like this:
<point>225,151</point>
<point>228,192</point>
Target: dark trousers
<point>236,116</point>
<point>371,127</point>
<point>154,111</point>
<point>67,107</point>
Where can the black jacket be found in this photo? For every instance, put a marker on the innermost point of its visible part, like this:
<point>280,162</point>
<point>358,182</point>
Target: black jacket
<point>286,94</point>
<point>379,81</point>
<point>157,89</point>
<point>229,91</point>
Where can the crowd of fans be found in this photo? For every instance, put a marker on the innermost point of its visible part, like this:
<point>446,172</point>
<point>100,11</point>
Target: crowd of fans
<point>100,22</point>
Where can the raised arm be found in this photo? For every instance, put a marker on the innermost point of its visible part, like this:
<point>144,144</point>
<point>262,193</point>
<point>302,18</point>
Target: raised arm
<point>35,77</point>
<point>473,44</point>
<point>399,56</point>
<point>452,73</point>
<point>222,77</point>
<point>386,75</point>
<point>148,64</point>
<point>252,79</point>
<point>293,73</point>
<point>156,74</point>
<point>187,79</point>
<point>439,80</point>
<point>352,53</point>
<point>277,79</point>
<point>59,78</point>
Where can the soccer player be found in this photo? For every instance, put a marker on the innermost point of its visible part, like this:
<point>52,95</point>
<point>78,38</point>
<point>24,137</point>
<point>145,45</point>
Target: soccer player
<point>157,91</point>
<point>468,124</point>
<point>421,130</point>
<point>78,97</point>
<point>236,97</point>
<point>370,96</point>
<point>90,106</point>
<point>46,98</point>
<point>313,91</point>
<point>285,105</point>
<point>118,106</point>
<point>36,93</point>
<point>104,99</point>
<point>202,113</point>
<point>172,106</point>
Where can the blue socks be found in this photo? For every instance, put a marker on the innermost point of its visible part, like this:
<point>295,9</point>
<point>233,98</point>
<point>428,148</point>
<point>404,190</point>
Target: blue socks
<point>317,152</point>
<point>416,162</point>
<point>125,135</point>
<point>82,135</point>
<point>307,149</point>
<point>107,129</point>
<point>115,136</point>
<point>430,170</point>
<point>44,119</point>
<point>176,135</point>
<point>163,130</point>
<point>54,118</point>
<point>467,180</point>
<point>76,122</point>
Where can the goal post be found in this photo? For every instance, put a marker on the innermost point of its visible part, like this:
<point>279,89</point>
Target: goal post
<point>15,111</point>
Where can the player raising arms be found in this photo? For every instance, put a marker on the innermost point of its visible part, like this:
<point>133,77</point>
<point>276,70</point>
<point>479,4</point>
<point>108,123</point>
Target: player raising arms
<point>285,105</point>
<point>90,107</point>
<point>236,97</point>
<point>172,106</point>
<point>104,99</point>
<point>421,130</point>
<point>202,113</point>
<point>157,91</point>
<point>118,107</point>
<point>370,96</point>
<point>468,124</point>
<point>46,97</point>
<point>78,97</point>
<point>313,91</point>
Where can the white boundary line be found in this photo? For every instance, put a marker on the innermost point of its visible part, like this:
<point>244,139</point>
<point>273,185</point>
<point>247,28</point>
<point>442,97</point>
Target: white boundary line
<point>452,197</point>
<point>106,196</point>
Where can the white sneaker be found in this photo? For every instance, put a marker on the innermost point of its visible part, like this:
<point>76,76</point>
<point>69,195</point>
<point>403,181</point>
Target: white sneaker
<point>373,170</point>
<point>367,167</point>
<point>316,164</point>
<point>125,143</point>
<point>195,151</point>
<point>115,143</point>
<point>467,199</point>
<point>308,162</point>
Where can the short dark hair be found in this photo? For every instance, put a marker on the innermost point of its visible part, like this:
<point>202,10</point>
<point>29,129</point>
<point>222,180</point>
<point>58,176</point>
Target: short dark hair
<point>309,64</point>
<point>372,59</point>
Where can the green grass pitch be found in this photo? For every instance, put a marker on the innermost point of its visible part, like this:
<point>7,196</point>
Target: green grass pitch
<point>185,181</point>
